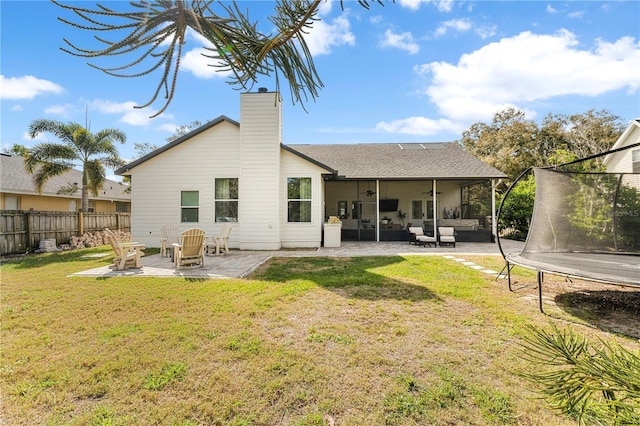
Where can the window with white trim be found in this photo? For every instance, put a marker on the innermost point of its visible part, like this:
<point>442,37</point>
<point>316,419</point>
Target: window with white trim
<point>299,199</point>
<point>635,161</point>
<point>226,200</point>
<point>189,206</point>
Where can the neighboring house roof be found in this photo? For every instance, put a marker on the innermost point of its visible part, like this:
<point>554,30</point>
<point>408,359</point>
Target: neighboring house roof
<point>14,179</point>
<point>441,160</point>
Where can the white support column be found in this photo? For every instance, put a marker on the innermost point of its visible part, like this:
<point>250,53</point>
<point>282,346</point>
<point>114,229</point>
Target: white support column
<point>494,224</point>
<point>377,210</point>
<point>435,208</point>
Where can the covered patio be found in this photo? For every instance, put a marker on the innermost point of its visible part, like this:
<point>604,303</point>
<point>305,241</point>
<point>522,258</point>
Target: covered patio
<point>379,190</point>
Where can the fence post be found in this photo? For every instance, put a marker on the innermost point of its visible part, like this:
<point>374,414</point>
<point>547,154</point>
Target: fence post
<point>29,244</point>
<point>80,223</point>
<point>117,221</point>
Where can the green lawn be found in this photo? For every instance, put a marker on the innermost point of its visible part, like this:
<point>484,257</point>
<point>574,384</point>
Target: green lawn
<point>304,341</point>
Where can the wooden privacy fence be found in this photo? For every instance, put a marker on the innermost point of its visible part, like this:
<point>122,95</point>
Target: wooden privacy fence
<point>21,231</point>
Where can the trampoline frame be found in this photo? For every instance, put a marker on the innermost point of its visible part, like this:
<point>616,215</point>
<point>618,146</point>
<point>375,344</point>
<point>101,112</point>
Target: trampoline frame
<point>541,268</point>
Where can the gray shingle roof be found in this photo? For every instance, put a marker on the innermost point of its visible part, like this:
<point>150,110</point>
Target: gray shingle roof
<point>400,161</point>
<point>14,179</point>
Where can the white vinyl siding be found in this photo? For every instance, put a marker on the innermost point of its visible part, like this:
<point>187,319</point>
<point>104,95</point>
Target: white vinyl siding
<point>302,234</point>
<point>191,165</point>
<point>259,178</point>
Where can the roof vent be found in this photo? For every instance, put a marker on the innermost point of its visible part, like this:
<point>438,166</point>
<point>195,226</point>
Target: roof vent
<point>262,90</point>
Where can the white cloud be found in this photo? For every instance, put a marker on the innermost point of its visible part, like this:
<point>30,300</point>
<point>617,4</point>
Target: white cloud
<point>458,25</point>
<point>444,5</point>
<point>62,110</point>
<point>325,7</point>
<point>26,87</point>
<point>486,31</point>
<point>576,15</point>
<point>411,4</point>
<point>40,137</point>
<point>419,126</point>
<point>551,9</point>
<point>168,127</point>
<point>323,36</point>
<point>520,70</point>
<point>441,5</point>
<point>16,108</point>
<point>129,114</point>
<point>402,41</point>
<point>201,66</point>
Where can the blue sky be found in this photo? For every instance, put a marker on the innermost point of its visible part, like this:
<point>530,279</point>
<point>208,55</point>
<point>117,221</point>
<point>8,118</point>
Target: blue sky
<point>413,71</point>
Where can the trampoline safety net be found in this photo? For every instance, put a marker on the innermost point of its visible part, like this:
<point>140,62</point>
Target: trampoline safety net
<point>585,224</point>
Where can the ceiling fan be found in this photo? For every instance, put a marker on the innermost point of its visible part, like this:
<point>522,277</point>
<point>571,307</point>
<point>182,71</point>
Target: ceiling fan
<point>431,192</point>
<point>369,193</point>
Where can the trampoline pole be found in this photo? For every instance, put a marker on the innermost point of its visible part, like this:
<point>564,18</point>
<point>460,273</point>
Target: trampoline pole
<point>540,290</point>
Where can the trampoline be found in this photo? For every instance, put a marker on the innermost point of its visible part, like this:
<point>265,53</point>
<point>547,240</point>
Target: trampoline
<point>584,225</point>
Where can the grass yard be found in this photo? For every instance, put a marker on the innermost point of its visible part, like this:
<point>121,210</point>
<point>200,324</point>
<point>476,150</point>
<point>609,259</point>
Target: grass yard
<point>304,341</point>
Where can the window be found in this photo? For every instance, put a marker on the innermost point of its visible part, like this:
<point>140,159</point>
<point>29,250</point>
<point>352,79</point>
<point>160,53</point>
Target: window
<point>189,202</point>
<point>11,202</point>
<point>91,207</point>
<point>73,206</point>
<point>343,210</point>
<point>122,207</point>
<point>226,202</point>
<point>416,210</point>
<point>299,199</point>
<point>429,209</point>
<point>635,161</point>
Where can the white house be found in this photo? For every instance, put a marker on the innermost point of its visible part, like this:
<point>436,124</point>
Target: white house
<point>626,160</point>
<point>280,196</point>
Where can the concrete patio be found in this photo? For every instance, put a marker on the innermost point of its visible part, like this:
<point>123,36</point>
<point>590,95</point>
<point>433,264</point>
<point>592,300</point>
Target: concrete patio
<point>239,264</point>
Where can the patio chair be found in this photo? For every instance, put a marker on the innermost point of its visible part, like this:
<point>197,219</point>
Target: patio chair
<point>190,250</point>
<point>417,236</point>
<point>168,236</point>
<point>127,255</point>
<point>447,235</point>
<point>220,242</point>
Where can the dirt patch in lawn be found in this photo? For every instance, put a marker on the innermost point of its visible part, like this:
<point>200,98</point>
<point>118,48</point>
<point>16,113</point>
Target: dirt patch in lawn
<point>608,307</point>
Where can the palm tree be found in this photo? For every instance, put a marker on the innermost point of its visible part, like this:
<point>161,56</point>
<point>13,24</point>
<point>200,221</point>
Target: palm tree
<point>94,151</point>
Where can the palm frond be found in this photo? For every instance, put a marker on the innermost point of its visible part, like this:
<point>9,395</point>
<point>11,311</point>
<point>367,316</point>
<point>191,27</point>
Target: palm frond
<point>151,37</point>
<point>95,176</point>
<point>46,171</point>
<point>595,385</point>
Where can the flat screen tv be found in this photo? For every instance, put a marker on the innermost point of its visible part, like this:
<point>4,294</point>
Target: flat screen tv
<point>390,205</point>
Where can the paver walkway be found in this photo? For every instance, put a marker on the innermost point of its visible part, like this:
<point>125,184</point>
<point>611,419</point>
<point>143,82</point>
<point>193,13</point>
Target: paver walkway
<point>240,263</point>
